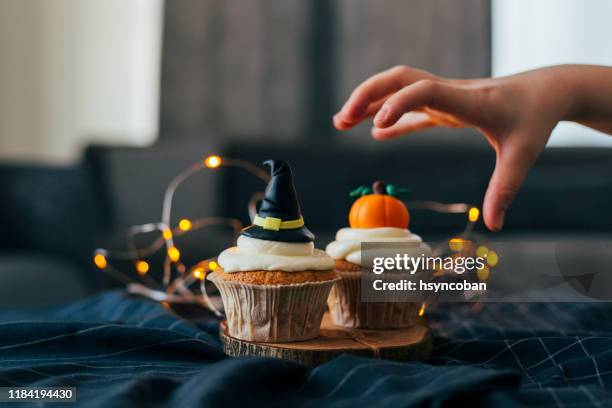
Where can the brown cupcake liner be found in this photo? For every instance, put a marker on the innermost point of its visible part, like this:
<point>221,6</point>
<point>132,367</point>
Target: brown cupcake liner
<point>347,309</point>
<point>273,313</point>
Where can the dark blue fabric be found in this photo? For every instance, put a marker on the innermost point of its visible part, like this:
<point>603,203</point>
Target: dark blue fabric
<point>121,351</point>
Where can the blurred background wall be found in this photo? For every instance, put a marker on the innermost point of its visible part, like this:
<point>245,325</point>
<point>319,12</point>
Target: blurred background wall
<point>281,69</point>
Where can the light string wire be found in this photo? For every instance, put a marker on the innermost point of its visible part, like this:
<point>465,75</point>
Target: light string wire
<point>176,290</point>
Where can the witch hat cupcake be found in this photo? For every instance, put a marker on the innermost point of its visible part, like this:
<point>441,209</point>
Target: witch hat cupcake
<point>274,283</point>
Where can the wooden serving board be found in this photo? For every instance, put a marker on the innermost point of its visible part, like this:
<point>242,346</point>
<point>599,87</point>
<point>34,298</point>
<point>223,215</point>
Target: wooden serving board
<point>411,344</point>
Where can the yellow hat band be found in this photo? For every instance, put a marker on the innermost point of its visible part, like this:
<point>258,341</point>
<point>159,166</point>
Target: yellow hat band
<point>275,224</point>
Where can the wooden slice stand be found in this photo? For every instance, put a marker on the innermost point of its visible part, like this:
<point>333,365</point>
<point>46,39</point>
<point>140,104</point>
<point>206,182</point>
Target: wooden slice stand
<point>411,344</point>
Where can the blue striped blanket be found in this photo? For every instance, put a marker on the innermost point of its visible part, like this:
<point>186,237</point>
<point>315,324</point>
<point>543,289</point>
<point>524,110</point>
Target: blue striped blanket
<point>121,351</point>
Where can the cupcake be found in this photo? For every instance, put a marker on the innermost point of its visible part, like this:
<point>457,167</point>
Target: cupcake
<point>377,216</point>
<point>274,283</point>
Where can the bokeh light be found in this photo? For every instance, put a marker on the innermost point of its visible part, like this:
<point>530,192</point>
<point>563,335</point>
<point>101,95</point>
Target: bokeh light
<point>174,254</point>
<point>482,251</point>
<point>198,273</point>
<point>422,310</point>
<point>212,162</point>
<point>473,214</point>
<point>142,267</point>
<point>185,224</point>
<point>100,261</point>
<point>492,258</point>
<point>455,244</point>
<point>483,273</point>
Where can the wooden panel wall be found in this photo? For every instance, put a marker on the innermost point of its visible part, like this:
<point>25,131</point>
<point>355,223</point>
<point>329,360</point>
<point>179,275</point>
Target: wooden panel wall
<point>279,68</point>
<point>232,66</point>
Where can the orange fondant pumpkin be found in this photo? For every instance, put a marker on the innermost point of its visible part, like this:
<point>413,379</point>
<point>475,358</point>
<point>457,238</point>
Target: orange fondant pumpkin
<point>379,210</point>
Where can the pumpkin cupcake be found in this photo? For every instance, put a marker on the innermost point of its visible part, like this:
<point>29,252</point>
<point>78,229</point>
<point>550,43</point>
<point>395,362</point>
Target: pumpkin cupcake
<point>377,216</point>
<point>274,283</point>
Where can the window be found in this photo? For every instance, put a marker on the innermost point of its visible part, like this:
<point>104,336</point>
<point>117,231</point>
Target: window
<point>75,72</point>
<point>530,34</point>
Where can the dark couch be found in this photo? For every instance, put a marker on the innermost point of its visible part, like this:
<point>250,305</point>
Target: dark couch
<point>53,218</point>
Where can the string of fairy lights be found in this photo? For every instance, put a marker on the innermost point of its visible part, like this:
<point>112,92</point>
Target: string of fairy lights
<point>178,278</point>
<point>175,287</point>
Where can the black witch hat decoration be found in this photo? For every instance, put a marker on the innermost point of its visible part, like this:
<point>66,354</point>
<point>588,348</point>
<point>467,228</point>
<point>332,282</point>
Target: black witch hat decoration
<point>279,217</point>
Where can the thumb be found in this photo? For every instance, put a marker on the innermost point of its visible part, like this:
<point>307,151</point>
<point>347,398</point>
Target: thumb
<point>510,171</point>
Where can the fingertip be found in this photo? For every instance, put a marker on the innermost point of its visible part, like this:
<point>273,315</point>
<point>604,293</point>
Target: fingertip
<point>376,135</point>
<point>336,121</point>
<point>495,221</point>
<point>488,212</point>
<point>340,123</point>
<point>499,221</point>
<point>491,226</point>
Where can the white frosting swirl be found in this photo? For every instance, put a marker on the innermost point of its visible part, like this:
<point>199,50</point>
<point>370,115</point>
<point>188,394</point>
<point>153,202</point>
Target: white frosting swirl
<point>252,254</point>
<point>348,242</point>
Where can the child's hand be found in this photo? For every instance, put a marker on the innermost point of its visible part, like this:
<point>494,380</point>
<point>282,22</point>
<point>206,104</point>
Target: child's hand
<point>515,114</point>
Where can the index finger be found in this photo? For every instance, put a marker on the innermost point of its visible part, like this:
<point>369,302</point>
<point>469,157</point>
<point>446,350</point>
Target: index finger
<point>377,87</point>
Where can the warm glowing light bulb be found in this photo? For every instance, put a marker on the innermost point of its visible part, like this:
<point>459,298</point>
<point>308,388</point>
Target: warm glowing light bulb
<point>142,267</point>
<point>100,261</point>
<point>212,265</point>
<point>212,162</point>
<point>483,273</point>
<point>492,258</point>
<point>167,234</point>
<point>185,224</point>
<point>422,310</point>
<point>198,273</point>
<point>174,254</point>
<point>482,251</point>
<point>455,244</point>
<point>473,214</point>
